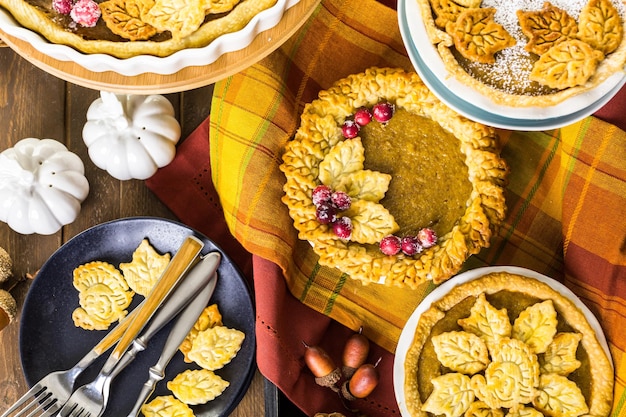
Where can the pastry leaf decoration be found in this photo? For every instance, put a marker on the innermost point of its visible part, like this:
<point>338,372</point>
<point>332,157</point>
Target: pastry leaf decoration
<point>124,19</point>
<point>567,64</point>
<point>365,185</point>
<point>344,158</point>
<point>487,322</point>
<point>560,357</point>
<point>452,395</point>
<point>536,326</point>
<point>478,37</point>
<point>600,26</point>
<point>180,17</point>
<point>461,351</point>
<point>559,397</point>
<point>546,27</point>
<point>370,221</point>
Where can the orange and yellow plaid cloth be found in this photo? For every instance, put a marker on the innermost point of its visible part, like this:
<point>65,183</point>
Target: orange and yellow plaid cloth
<point>566,198</point>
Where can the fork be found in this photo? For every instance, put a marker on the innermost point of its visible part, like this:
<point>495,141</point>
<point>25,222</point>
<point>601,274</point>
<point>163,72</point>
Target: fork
<point>47,396</point>
<point>91,399</point>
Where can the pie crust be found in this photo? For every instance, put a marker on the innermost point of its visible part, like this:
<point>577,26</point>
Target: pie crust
<point>443,42</point>
<point>320,134</point>
<point>42,22</point>
<point>592,370</point>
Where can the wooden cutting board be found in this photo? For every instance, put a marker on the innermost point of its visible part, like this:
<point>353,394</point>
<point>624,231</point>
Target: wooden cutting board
<point>185,79</point>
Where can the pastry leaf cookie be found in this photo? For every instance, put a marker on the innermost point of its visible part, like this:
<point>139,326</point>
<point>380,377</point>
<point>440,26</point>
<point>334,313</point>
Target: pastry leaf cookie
<point>600,26</point>
<point>166,406</point>
<point>546,27</point>
<point>210,317</point>
<point>461,351</point>
<point>215,347</point>
<point>145,269</point>
<point>197,386</point>
<point>478,37</point>
<point>480,409</point>
<point>567,64</point>
<point>452,395</point>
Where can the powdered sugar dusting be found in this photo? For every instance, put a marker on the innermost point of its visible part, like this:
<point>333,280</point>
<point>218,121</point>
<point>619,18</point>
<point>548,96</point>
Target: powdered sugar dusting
<point>513,65</point>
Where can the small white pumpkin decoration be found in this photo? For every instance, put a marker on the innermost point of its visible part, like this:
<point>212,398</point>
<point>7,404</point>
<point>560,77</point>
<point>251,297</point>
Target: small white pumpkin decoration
<point>131,136</point>
<point>42,186</point>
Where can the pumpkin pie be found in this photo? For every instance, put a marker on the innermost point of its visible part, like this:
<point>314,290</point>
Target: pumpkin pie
<point>127,28</point>
<point>543,357</point>
<point>388,184</point>
<point>533,67</point>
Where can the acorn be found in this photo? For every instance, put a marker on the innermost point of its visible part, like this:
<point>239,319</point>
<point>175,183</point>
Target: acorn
<point>5,265</point>
<point>362,383</point>
<point>8,309</point>
<point>354,353</point>
<point>321,365</point>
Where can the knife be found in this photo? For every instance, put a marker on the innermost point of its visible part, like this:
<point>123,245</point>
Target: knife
<point>203,275</point>
<point>183,325</point>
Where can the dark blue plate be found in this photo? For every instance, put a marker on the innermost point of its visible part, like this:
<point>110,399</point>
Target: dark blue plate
<point>49,341</point>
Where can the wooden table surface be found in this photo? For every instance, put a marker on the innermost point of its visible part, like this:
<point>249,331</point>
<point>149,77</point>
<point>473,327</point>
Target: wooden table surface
<point>36,104</point>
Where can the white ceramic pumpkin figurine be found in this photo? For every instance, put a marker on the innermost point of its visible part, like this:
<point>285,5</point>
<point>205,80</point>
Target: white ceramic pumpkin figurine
<point>42,186</point>
<point>131,136</point>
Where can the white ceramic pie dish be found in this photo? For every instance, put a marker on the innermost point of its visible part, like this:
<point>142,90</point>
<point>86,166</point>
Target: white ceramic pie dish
<point>141,64</point>
<point>479,107</point>
<point>408,332</point>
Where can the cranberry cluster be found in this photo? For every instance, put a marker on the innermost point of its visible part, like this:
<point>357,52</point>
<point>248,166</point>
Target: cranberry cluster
<point>381,112</point>
<point>328,204</point>
<point>83,12</point>
<point>409,245</point>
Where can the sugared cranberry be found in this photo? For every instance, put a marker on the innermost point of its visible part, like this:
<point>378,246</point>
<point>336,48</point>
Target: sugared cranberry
<point>362,116</point>
<point>62,6</point>
<point>341,200</point>
<point>411,245</point>
<point>383,112</point>
<point>86,13</point>
<point>350,129</point>
<point>427,237</point>
<point>343,227</point>
<point>390,245</point>
<point>321,195</point>
<point>326,213</point>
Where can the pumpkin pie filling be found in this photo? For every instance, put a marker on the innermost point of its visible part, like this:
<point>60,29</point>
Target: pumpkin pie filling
<point>428,155</point>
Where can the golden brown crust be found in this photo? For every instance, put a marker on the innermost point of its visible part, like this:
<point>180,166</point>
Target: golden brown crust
<point>601,374</point>
<point>613,63</point>
<point>35,20</point>
<point>320,131</point>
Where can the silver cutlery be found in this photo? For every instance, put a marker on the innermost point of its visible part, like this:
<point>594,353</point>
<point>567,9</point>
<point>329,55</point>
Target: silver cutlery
<point>47,396</point>
<point>182,327</point>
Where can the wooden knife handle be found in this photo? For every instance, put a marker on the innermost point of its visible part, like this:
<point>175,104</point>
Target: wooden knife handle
<point>180,263</point>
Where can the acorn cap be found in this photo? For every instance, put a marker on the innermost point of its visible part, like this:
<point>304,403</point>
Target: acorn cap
<point>8,308</point>
<point>5,265</point>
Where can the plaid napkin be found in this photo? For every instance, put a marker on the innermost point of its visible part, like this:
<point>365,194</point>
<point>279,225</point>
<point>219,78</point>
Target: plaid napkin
<point>566,207</point>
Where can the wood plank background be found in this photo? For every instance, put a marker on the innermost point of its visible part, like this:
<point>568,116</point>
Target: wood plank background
<point>36,104</point>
